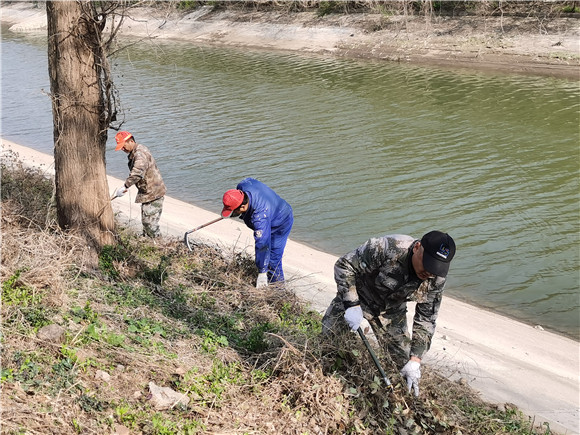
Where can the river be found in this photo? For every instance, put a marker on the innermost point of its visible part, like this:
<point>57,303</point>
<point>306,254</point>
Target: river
<point>359,149</point>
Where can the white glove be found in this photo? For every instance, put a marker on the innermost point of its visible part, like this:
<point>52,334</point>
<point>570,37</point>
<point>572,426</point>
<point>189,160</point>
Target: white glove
<point>262,280</point>
<point>121,191</point>
<point>353,317</point>
<point>412,372</point>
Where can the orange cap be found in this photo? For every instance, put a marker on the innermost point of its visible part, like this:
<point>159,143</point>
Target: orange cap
<point>121,137</point>
<point>232,199</point>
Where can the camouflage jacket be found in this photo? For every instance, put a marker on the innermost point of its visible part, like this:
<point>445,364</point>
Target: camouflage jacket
<point>145,175</point>
<point>379,275</point>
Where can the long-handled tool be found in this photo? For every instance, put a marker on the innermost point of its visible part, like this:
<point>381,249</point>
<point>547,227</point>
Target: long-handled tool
<point>105,206</point>
<point>375,359</point>
<point>185,238</point>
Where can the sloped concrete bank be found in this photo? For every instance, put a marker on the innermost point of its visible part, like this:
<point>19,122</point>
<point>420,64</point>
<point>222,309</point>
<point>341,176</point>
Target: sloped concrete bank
<point>506,361</point>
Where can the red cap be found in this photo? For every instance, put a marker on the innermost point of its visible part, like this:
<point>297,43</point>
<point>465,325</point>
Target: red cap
<point>232,199</point>
<point>121,137</point>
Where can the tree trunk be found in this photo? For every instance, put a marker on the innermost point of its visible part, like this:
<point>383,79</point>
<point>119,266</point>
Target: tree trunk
<point>75,62</point>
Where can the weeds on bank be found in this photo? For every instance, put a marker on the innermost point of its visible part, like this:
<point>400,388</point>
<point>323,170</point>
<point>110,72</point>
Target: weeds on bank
<point>427,8</point>
<point>249,361</point>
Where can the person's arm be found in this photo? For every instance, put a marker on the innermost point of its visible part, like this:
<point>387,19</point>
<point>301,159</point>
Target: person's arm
<point>424,321</point>
<point>262,238</point>
<point>139,169</point>
<point>423,329</point>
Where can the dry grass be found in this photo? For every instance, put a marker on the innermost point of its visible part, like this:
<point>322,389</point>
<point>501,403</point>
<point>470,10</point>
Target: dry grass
<point>251,362</point>
<point>482,8</point>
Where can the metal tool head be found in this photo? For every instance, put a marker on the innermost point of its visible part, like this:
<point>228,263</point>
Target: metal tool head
<point>186,241</point>
<point>185,237</point>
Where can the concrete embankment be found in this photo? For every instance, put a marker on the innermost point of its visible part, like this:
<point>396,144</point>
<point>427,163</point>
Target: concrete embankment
<point>507,361</point>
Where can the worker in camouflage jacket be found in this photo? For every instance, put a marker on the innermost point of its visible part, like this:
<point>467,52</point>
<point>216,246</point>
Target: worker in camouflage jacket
<point>376,281</point>
<point>145,175</point>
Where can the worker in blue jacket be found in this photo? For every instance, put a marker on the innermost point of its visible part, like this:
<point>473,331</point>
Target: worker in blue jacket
<point>271,219</point>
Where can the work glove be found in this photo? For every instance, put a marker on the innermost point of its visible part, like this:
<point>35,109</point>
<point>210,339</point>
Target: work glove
<point>353,317</point>
<point>412,373</point>
<point>120,191</point>
<point>366,327</point>
<point>262,280</point>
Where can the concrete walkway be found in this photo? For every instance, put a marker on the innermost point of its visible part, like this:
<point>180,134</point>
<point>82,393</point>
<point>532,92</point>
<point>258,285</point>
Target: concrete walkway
<point>507,361</point>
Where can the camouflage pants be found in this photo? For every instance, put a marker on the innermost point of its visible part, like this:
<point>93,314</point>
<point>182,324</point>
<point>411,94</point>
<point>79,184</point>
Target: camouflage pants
<point>390,328</point>
<point>150,215</point>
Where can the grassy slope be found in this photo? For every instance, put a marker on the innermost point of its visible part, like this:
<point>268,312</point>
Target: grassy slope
<point>251,362</point>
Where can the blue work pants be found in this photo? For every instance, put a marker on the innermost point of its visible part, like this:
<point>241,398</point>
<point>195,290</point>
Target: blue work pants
<point>278,239</point>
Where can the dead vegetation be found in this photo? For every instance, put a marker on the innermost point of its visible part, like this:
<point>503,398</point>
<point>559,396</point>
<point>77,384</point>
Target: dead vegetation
<point>502,17</point>
<point>431,8</point>
<point>246,361</point>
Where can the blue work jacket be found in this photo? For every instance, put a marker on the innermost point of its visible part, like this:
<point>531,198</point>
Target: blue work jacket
<point>267,213</point>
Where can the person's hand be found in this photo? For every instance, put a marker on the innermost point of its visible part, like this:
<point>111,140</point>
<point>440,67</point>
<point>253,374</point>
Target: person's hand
<point>353,317</point>
<point>120,191</point>
<point>412,373</point>
<point>365,326</point>
<point>262,280</point>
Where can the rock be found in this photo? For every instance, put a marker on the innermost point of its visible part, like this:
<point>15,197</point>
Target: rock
<point>121,430</point>
<point>103,376</point>
<point>165,397</point>
<point>52,333</point>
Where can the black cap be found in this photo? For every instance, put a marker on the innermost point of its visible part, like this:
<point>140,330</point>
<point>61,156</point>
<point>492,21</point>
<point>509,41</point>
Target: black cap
<point>438,251</point>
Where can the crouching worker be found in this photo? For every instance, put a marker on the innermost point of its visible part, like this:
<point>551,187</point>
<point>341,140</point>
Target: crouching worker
<point>146,176</point>
<point>376,281</point>
<point>271,219</point>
